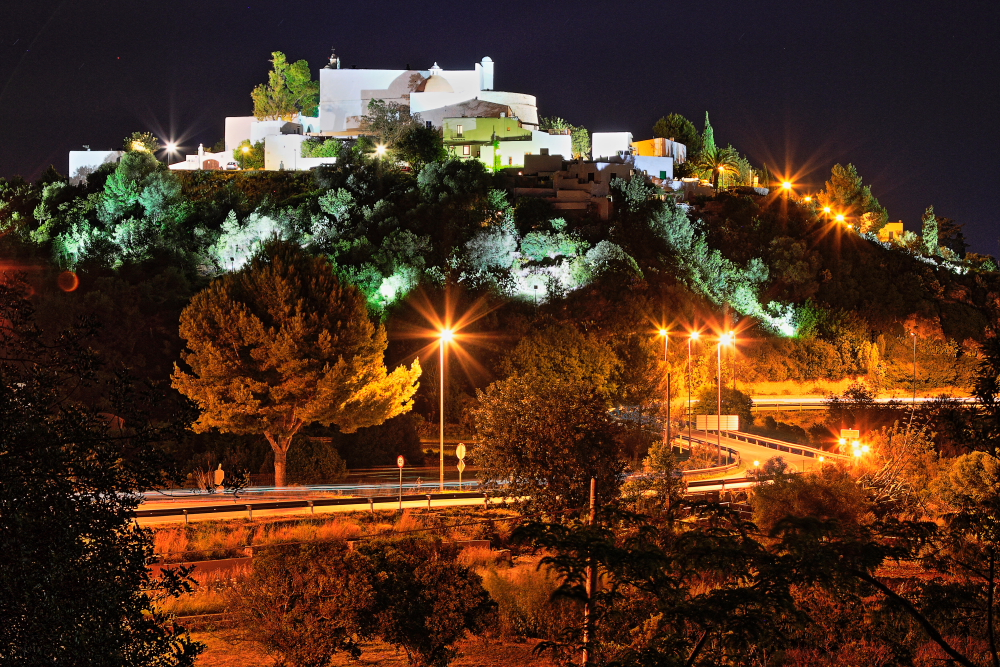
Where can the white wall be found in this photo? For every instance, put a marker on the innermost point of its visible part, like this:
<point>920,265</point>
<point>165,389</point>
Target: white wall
<point>283,151</point>
<point>84,163</point>
<point>524,106</point>
<point>238,130</point>
<point>609,144</point>
<point>653,166</point>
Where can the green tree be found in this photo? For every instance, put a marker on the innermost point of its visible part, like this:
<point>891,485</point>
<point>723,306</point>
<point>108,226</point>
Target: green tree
<point>289,90</point>
<point>282,343</point>
<point>388,122</point>
<point>249,156</point>
<point>713,163</point>
<point>418,145</point>
<point>543,439</point>
<point>75,587</point>
<point>142,141</point>
<point>680,129</point>
<point>580,136</point>
<point>708,137</point>
<point>929,231</point>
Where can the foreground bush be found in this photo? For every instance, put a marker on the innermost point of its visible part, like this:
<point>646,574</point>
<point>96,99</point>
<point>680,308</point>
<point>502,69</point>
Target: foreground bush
<point>307,602</point>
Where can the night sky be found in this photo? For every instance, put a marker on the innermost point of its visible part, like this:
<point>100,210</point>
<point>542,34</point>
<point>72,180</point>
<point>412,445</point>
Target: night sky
<point>907,91</point>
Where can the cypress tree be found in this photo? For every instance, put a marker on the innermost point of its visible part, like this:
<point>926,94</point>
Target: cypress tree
<point>930,231</point>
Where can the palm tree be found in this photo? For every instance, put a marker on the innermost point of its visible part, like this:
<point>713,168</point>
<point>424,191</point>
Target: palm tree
<point>716,162</point>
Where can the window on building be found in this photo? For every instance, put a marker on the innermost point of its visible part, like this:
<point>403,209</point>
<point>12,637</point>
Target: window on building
<point>663,174</point>
<point>460,129</point>
<point>466,150</point>
<point>429,124</point>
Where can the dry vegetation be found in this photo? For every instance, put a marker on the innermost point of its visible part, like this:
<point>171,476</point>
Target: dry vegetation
<point>229,539</point>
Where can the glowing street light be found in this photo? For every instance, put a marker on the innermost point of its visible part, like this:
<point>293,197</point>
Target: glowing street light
<point>246,149</point>
<point>445,336</point>
<point>380,150</point>
<point>786,186</point>
<point>724,339</point>
<point>807,198</point>
<point>666,428</point>
<point>826,209</point>
<point>840,217</point>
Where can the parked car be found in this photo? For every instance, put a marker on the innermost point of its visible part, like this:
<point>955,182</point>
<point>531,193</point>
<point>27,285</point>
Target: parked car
<point>232,166</point>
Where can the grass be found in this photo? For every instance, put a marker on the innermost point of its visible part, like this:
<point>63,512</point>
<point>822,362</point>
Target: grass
<point>229,538</point>
<point>525,606</point>
<point>209,596</point>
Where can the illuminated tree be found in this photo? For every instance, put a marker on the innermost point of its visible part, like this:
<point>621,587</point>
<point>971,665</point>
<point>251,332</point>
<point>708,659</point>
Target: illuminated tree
<point>142,141</point>
<point>281,344</point>
<point>929,231</point>
<point>289,90</point>
<point>846,192</point>
<point>388,122</point>
<point>249,156</point>
<point>708,138</point>
<point>713,162</point>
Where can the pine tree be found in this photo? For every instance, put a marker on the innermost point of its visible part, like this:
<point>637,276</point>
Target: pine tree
<point>281,344</point>
<point>929,225</point>
<point>708,138</point>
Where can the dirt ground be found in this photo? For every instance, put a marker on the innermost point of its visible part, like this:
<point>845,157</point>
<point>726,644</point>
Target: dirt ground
<point>224,651</point>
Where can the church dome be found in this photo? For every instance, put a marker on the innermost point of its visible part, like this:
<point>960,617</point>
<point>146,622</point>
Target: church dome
<point>437,84</point>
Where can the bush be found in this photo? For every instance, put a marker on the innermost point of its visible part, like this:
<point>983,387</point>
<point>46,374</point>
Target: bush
<point>525,606</point>
<point>308,602</point>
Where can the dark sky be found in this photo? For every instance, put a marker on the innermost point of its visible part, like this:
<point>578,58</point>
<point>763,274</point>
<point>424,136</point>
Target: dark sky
<point>907,91</point>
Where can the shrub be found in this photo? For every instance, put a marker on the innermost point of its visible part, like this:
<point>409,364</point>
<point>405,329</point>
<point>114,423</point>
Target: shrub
<point>525,606</point>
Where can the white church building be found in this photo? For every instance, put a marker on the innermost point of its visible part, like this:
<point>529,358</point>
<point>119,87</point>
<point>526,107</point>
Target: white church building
<point>344,94</point>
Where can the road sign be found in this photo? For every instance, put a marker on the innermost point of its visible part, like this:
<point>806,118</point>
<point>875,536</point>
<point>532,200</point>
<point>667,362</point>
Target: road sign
<point>850,433</point>
<point>400,461</point>
<point>711,422</point>
<point>461,465</point>
<point>460,451</point>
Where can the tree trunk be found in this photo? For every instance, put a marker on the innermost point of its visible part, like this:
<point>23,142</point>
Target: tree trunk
<point>280,449</point>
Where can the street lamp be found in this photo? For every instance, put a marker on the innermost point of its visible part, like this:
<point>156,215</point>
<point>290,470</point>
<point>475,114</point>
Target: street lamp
<point>787,187</point>
<point>840,217</point>
<point>380,150</point>
<point>446,336</point>
<point>694,336</point>
<point>913,405</point>
<point>826,209</point>
<point>724,339</point>
<point>722,175</point>
<point>666,427</point>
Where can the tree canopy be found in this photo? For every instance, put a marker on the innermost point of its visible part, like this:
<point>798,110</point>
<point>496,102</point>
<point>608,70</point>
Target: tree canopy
<point>283,343</point>
<point>680,129</point>
<point>289,90</point>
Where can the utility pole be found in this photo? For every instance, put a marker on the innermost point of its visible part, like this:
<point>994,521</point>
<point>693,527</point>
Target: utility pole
<point>591,582</point>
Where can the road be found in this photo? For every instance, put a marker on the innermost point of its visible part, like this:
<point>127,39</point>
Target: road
<point>798,457</point>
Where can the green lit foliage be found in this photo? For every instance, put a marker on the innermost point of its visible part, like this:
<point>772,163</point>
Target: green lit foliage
<point>282,343</point>
<point>238,242</point>
<point>249,156</point>
<point>289,91</point>
<point>579,135</point>
<point>542,439</point>
<point>680,129</point>
<point>708,138</point>
<point>845,192</point>
<point>123,187</point>
<point>161,191</point>
<point>317,147</point>
<point>929,231</point>
<point>142,142</point>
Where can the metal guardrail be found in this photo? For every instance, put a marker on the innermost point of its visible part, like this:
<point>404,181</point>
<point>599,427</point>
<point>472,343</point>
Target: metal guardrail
<point>229,508</point>
<point>782,445</point>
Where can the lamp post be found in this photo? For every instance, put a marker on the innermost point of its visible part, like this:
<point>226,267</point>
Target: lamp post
<point>787,187</point>
<point>724,339</point>
<point>447,335</point>
<point>914,336</point>
<point>694,336</point>
<point>666,426</point>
